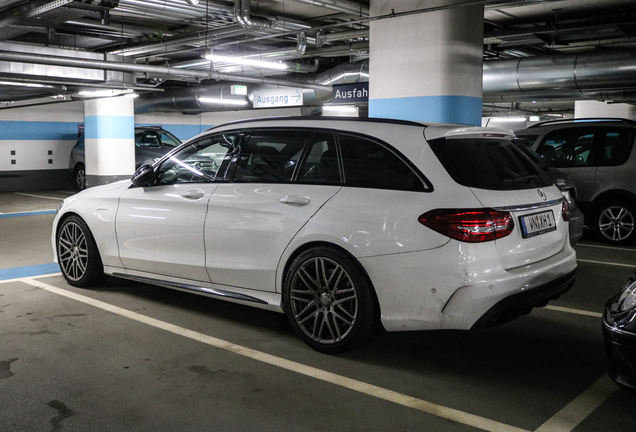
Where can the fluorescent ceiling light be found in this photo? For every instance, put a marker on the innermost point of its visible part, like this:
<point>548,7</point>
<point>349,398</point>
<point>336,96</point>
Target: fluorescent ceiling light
<point>341,109</point>
<point>238,102</point>
<point>245,61</point>
<point>509,119</point>
<point>107,93</point>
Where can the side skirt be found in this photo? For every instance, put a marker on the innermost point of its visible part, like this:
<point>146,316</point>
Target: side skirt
<point>260,299</point>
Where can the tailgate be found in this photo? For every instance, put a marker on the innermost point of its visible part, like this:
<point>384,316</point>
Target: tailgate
<point>540,231</point>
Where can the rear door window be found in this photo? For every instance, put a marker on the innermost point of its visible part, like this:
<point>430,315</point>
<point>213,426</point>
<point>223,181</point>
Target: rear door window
<point>320,164</point>
<point>488,164</point>
<point>270,156</point>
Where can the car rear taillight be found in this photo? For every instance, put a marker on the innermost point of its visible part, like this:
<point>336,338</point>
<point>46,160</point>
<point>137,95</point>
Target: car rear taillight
<point>565,211</point>
<point>469,225</point>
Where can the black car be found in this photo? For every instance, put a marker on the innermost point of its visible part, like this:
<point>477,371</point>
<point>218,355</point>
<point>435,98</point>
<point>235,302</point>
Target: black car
<point>619,331</point>
<point>151,142</point>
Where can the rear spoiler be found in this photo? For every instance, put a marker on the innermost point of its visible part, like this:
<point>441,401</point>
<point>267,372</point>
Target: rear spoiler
<point>453,131</point>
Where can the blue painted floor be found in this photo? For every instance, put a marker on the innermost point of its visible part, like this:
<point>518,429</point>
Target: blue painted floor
<point>34,270</point>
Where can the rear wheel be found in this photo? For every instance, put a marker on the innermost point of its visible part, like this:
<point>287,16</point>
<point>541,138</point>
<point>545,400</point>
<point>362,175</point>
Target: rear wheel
<point>77,253</point>
<point>80,176</point>
<point>614,222</point>
<point>329,301</point>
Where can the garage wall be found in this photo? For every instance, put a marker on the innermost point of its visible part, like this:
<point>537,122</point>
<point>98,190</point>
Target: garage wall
<point>187,126</point>
<point>35,144</point>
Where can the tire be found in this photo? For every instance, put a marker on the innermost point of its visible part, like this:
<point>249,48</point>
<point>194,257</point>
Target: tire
<point>78,255</point>
<point>329,301</point>
<point>614,222</point>
<point>80,176</point>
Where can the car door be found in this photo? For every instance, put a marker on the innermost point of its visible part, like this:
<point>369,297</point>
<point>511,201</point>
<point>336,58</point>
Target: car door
<point>571,151</point>
<point>251,220</point>
<point>160,227</point>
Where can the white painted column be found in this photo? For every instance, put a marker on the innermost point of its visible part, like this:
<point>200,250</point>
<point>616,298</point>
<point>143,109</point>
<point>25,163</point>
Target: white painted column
<point>596,109</point>
<point>427,66</point>
<point>109,139</point>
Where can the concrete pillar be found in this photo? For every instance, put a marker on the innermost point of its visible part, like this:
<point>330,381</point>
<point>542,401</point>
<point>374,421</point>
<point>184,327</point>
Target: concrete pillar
<point>109,139</point>
<point>427,66</point>
<point>596,109</point>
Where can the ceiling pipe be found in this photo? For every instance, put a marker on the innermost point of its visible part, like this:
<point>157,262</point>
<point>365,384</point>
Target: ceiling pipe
<point>243,16</point>
<point>557,77</point>
<point>346,6</point>
<point>166,70</point>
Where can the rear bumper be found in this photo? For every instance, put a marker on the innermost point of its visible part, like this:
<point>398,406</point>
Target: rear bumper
<point>522,303</point>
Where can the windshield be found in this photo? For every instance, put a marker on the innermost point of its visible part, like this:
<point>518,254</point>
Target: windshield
<point>493,164</point>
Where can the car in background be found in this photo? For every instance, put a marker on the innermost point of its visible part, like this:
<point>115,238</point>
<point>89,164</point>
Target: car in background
<point>619,331</point>
<point>598,154</point>
<point>346,226</point>
<point>151,142</point>
<point>564,183</point>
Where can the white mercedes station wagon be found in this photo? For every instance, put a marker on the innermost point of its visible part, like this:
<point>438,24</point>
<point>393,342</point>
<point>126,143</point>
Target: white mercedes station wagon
<point>346,226</point>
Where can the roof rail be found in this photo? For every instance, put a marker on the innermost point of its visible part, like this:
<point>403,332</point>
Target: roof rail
<point>316,119</point>
<point>584,120</point>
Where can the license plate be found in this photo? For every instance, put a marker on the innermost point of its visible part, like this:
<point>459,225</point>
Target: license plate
<point>538,223</point>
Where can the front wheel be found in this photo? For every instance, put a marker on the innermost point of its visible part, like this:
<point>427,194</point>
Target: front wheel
<point>77,253</point>
<point>330,301</point>
<point>614,222</point>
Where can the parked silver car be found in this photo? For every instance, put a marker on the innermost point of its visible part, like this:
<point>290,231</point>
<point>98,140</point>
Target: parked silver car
<point>598,155</point>
<point>151,142</point>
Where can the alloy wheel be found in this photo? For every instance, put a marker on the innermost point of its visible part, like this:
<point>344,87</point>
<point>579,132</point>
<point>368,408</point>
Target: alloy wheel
<point>73,251</point>
<point>324,300</point>
<point>616,223</point>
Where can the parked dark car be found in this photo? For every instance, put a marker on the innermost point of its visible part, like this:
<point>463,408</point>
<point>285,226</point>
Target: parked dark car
<point>619,330</point>
<point>151,142</point>
<point>564,183</point>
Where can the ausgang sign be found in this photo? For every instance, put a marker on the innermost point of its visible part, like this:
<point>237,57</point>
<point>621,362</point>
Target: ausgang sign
<point>350,93</point>
<point>282,97</point>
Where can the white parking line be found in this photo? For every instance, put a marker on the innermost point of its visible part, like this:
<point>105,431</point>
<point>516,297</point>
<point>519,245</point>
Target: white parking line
<point>339,380</point>
<point>574,311</point>
<point>607,247</point>
<point>39,196</point>
<point>607,263</point>
<point>580,408</point>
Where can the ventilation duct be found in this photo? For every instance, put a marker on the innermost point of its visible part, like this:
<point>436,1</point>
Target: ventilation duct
<point>186,99</point>
<point>557,77</point>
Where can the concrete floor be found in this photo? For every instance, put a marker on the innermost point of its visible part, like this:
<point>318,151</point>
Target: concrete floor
<point>133,357</point>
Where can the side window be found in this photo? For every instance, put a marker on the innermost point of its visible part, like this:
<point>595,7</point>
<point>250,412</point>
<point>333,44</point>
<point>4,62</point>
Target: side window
<point>147,139</point>
<point>568,147</point>
<point>270,156</point>
<point>615,145</point>
<point>198,162</point>
<point>369,164</point>
<point>320,165</point>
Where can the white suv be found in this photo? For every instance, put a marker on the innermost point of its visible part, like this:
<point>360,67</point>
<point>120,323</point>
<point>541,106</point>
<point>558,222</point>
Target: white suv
<point>343,225</point>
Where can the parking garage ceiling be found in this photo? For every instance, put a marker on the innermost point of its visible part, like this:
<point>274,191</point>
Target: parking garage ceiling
<point>55,49</point>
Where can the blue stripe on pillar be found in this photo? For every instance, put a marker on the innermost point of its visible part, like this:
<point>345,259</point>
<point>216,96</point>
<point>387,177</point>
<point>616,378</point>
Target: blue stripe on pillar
<point>104,126</point>
<point>437,109</point>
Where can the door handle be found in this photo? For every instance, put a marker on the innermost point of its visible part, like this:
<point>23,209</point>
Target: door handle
<point>295,200</point>
<point>194,194</point>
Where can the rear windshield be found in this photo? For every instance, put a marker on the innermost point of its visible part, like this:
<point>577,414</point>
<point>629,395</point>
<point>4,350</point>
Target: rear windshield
<point>488,164</point>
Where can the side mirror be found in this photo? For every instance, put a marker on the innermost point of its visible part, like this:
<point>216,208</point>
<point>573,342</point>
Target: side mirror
<point>144,176</point>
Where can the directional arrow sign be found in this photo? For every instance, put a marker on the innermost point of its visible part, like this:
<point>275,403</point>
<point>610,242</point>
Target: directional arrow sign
<point>282,97</point>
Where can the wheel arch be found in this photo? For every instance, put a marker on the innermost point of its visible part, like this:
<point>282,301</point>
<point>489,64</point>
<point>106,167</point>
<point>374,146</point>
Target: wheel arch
<point>321,243</point>
<point>604,198</point>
